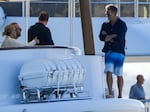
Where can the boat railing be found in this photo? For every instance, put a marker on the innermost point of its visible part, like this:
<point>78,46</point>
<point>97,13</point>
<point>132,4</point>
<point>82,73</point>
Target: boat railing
<point>42,80</point>
<point>35,47</point>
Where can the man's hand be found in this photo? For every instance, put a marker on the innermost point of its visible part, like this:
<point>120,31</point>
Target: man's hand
<point>109,38</point>
<point>104,32</point>
<point>37,40</point>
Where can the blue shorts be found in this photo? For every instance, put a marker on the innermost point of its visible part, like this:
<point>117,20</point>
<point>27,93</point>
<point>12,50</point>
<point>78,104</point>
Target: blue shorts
<point>114,63</point>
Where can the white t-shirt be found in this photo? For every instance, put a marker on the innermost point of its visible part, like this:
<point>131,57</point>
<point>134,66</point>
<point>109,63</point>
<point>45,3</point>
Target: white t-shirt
<point>10,42</point>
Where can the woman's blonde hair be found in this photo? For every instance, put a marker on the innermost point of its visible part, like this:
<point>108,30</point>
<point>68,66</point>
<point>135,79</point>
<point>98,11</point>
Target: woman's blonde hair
<point>8,29</point>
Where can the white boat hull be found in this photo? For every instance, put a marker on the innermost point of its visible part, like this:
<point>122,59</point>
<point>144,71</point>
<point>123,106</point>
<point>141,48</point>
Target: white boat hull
<point>107,105</point>
<point>94,101</point>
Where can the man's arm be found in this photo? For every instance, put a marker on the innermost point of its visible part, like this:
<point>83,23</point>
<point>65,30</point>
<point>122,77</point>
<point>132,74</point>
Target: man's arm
<point>103,33</point>
<point>132,93</point>
<point>49,37</point>
<point>104,36</point>
<point>121,32</point>
<point>109,38</point>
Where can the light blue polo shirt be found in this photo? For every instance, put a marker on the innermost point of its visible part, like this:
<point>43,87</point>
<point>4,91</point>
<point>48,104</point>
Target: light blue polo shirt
<point>137,92</point>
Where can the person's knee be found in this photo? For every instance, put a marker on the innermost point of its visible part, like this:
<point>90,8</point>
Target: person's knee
<point>109,73</point>
<point>119,77</point>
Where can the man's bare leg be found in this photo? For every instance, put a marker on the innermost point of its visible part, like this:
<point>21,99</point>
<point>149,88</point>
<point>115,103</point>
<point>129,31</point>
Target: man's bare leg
<point>109,82</point>
<point>120,86</point>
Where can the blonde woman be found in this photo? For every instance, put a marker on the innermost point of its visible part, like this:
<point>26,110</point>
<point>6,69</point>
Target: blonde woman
<point>10,33</point>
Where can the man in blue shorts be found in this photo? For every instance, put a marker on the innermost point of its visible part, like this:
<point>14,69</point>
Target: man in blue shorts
<point>113,34</point>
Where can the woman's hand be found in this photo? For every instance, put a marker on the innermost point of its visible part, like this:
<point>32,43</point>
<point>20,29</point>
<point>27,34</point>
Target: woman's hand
<point>37,40</point>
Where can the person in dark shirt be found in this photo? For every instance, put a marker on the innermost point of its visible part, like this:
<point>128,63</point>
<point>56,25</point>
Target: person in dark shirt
<point>40,30</point>
<point>113,34</point>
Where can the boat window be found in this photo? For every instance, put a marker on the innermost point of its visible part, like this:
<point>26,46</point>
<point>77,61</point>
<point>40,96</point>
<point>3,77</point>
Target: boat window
<point>126,8</point>
<point>98,7</point>
<point>36,6</point>
<point>12,8</point>
<point>144,8</point>
<point>127,0</point>
<point>50,6</point>
<point>136,8</point>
